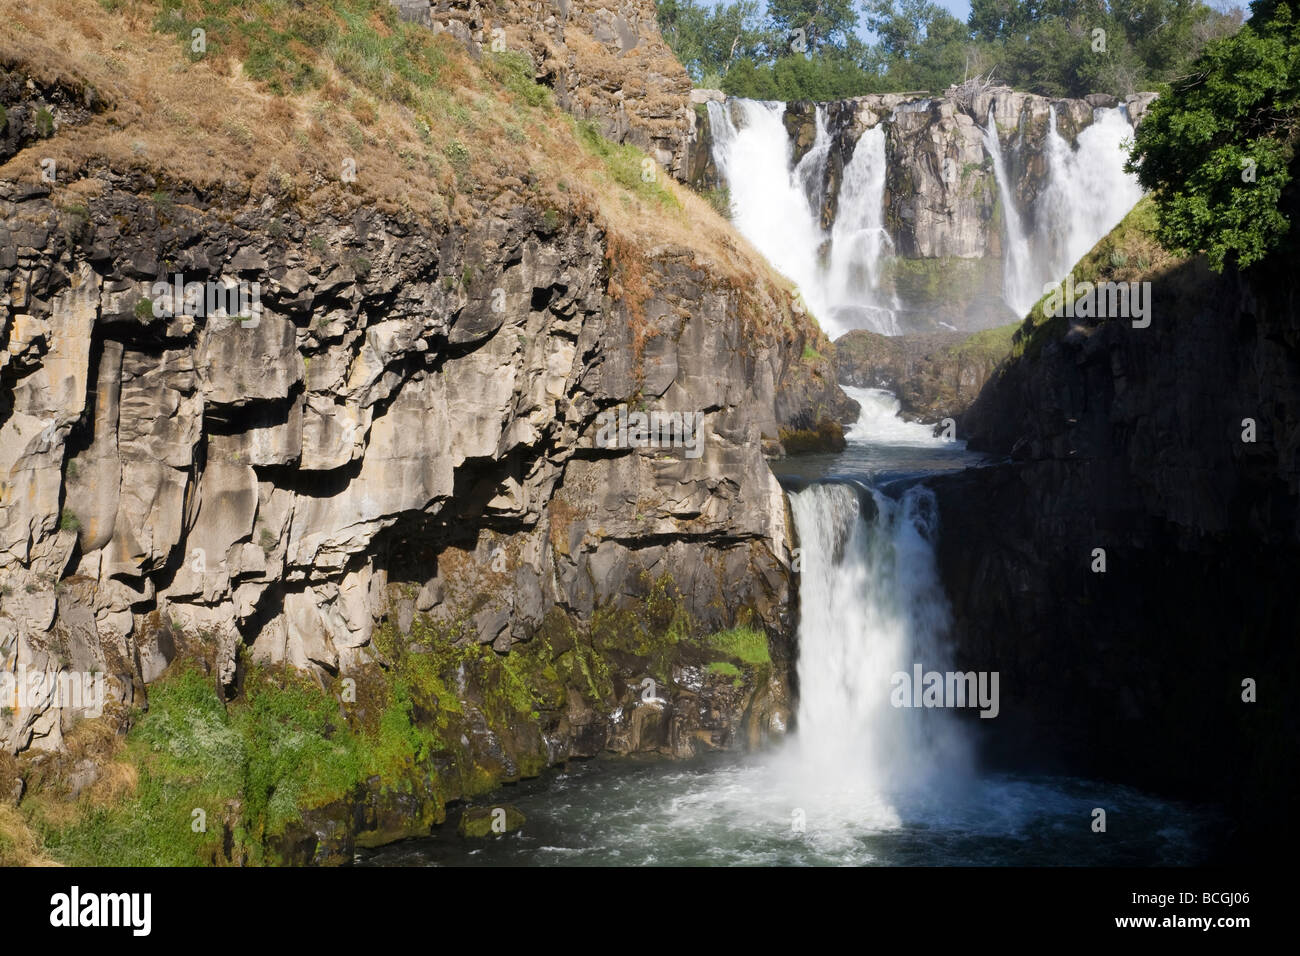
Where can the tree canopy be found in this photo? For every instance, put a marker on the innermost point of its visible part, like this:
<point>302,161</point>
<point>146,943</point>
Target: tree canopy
<point>815,49</point>
<point>1218,149</point>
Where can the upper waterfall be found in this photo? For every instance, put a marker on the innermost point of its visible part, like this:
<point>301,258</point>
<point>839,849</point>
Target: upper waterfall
<point>892,214</point>
<point>776,204</point>
<point>1086,195</point>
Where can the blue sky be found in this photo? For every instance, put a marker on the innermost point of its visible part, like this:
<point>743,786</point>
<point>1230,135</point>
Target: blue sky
<point>958,8</point>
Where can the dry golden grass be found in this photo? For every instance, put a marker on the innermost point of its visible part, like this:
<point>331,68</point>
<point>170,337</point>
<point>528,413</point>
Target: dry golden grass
<point>206,125</point>
<point>19,846</point>
<point>49,798</point>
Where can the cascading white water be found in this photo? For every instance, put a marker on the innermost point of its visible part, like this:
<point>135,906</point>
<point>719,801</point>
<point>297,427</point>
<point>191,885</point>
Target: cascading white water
<point>871,605</point>
<point>768,205</point>
<point>1017,283</point>
<point>776,205</point>
<point>1086,195</point>
<point>810,171</point>
<point>859,241</point>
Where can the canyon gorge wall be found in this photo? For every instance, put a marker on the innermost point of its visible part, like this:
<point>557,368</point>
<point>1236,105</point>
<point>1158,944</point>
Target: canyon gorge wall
<point>401,437</point>
<point>1128,566</point>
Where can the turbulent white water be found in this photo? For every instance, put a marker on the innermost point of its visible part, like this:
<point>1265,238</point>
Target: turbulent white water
<point>879,422</point>
<point>1086,195</point>
<point>871,605</point>
<point>776,205</point>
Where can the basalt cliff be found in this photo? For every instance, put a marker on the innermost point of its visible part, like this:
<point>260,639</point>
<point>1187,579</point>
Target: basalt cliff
<point>1126,562</point>
<point>378,491</point>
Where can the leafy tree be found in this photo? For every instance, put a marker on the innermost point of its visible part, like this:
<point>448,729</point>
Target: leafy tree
<point>826,23</point>
<point>999,19</point>
<point>1219,147</point>
<point>1043,46</point>
<point>1054,47</point>
<point>924,46</point>
<point>708,40</point>
<point>800,78</point>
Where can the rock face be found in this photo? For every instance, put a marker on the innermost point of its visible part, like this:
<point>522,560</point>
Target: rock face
<point>605,59</point>
<point>340,421</point>
<point>1131,564</point>
<point>397,394</point>
<point>934,376</point>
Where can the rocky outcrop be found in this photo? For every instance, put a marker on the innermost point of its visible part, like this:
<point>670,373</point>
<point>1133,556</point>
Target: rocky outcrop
<point>396,395</point>
<point>935,376</point>
<point>605,59</point>
<point>1127,569</point>
<point>261,429</point>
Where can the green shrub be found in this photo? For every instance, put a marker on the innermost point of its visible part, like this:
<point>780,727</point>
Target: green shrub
<point>514,70</point>
<point>1218,150</point>
<point>458,154</point>
<point>720,199</point>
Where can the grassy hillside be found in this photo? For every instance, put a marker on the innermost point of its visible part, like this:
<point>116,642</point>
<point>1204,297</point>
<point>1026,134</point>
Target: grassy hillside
<point>1128,253</point>
<point>282,101</point>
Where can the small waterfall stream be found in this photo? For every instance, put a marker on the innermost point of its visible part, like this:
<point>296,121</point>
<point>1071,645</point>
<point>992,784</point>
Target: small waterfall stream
<point>776,204</point>
<point>1018,286</point>
<point>1086,195</point>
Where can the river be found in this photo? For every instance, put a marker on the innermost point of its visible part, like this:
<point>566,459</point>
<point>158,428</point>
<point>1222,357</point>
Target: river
<point>861,781</point>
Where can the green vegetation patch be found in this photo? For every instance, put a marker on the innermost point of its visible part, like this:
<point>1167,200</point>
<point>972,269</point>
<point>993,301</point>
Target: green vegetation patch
<point>627,166</point>
<point>209,781</point>
<point>282,44</point>
<point>987,345</point>
<point>745,644</point>
<point>514,70</point>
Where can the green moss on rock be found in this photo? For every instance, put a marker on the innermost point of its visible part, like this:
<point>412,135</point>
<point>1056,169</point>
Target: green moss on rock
<point>743,644</point>
<point>480,822</point>
<point>296,770</point>
<point>826,436</point>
